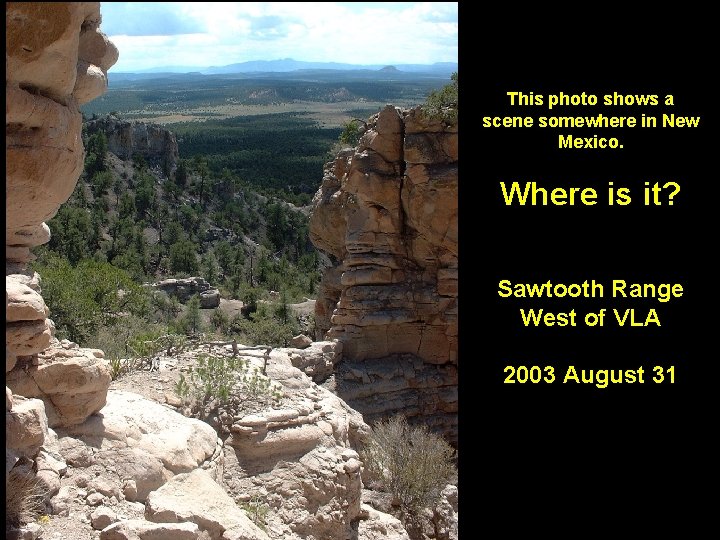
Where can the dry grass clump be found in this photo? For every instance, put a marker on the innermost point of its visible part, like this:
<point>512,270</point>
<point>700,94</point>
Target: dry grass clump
<point>411,463</point>
<point>24,499</point>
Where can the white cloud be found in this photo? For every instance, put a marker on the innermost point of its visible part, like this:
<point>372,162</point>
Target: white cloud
<point>230,32</point>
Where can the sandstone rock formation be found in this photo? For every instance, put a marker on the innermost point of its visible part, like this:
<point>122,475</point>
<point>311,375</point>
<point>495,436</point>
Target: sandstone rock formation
<point>142,442</point>
<point>196,498</point>
<point>56,60</point>
<point>27,329</point>
<point>72,381</point>
<point>299,459</point>
<point>295,458</point>
<point>126,139</point>
<point>184,289</point>
<point>317,360</point>
<point>386,214</point>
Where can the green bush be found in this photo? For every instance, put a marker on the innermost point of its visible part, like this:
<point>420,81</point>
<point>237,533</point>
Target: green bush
<point>214,377</point>
<point>263,329</point>
<point>183,257</point>
<point>249,296</point>
<point>257,385</point>
<point>136,340</point>
<point>166,308</point>
<point>257,511</point>
<point>351,133</point>
<point>101,182</point>
<point>443,103</point>
<point>220,321</point>
<point>92,295</point>
<point>191,322</point>
<point>72,228</point>
<point>219,378</point>
<point>116,367</point>
<point>409,462</point>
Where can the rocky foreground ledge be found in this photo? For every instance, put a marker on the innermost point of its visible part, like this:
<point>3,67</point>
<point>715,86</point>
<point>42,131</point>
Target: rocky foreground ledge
<point>138,468</point>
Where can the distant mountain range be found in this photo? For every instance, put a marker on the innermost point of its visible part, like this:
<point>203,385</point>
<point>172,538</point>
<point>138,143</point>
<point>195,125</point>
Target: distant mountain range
<point>288,64</point>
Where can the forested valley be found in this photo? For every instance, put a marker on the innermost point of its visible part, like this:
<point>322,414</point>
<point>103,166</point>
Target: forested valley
<point>233,211</point>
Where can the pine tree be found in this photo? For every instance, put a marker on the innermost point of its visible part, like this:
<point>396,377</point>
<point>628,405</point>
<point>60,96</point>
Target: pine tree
<point>210,268</point>
<point>192,319</point>
<point>183,257</point>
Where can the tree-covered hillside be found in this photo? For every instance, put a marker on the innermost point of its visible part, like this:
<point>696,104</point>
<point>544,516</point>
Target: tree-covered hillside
<point>234,212</point>
<point>129,224</point>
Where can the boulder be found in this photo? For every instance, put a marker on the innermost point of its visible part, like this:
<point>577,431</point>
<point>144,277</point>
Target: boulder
<point>139,529</point>
<point>102,517</point>
<point>210,299</point>
<point>72,387</point>
<point>318,359</point>
<point>144,442</point>
<point>60,503</point>
<point>376,525</point>
<point>300,341</point>
<point>24,303</point>
<point>25,338</point>
<point>184,289</point>
<point>195,497</point>
<point>94,499</point>
<point>26,426</point>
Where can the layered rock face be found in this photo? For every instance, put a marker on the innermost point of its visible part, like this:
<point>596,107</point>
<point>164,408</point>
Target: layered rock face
<point>300,459</point>
<point>125,139</point>
<point>56,60</point>
<point>72,381</point>
<point>386,213</point>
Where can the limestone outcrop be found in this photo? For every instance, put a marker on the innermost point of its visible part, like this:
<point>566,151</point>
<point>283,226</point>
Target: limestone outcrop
<point>386,214</point>
<point>154,143</point>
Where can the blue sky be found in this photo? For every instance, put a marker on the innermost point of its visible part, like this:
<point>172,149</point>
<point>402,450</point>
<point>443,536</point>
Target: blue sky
<point>156,34</point>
